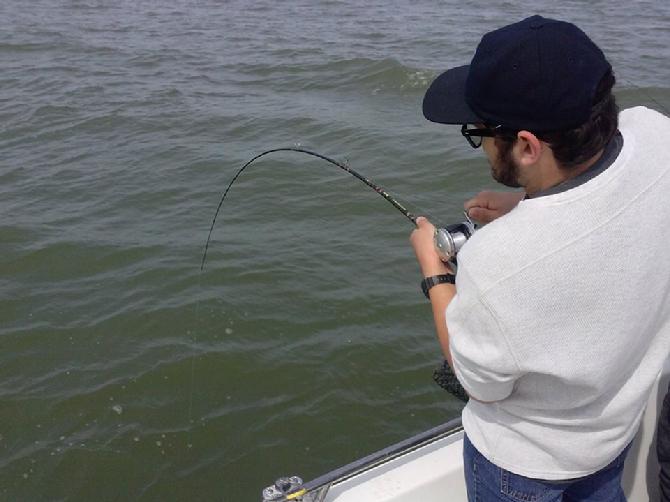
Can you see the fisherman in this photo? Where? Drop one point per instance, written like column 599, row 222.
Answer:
column 558, row 323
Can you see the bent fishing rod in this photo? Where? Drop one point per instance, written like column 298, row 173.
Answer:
column 448, row 240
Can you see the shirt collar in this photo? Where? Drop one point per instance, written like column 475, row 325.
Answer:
column 608, row 157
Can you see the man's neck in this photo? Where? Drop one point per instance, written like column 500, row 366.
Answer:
column 551, row 173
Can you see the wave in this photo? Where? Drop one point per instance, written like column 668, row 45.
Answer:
column 385, row 75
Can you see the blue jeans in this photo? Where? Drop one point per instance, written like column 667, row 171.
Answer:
column 486, row 482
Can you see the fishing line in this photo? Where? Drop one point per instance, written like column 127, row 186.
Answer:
column 455, row 235
column 345, row 167
column 341, row 165
column 643, row 91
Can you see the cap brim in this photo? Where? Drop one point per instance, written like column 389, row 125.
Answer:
column 444, row 101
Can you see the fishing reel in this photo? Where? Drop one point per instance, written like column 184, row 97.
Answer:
column 450, row 239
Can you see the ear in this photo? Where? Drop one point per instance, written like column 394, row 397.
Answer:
column 528, row 148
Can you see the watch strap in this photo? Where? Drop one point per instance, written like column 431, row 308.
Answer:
column 434, row 280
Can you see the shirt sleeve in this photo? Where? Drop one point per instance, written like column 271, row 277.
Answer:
column 480, row 352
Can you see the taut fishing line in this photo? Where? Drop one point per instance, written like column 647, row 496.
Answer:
column 447, row 240
column 643, row 91
column 341, row 165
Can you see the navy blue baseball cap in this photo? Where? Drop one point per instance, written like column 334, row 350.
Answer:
column 538, row 74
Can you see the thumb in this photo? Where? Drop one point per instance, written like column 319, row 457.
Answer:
column 422, row 221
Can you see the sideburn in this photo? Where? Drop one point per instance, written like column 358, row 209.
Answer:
column 505, row 170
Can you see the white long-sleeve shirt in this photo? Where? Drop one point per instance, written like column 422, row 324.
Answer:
column 562, row 314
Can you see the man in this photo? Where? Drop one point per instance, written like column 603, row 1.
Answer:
column 559, row 320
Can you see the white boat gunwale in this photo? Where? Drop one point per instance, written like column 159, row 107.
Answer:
column 431, row 462
column 320, row 485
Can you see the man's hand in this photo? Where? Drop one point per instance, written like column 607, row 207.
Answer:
column 430, row 263
column 487, row 206
column 422, row 240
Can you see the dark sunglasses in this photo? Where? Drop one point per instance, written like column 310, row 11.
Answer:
column 474, row 136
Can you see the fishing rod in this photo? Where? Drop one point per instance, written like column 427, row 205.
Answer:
column 448, row 240
column 345, row 167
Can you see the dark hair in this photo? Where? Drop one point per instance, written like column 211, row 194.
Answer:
column 575, row 146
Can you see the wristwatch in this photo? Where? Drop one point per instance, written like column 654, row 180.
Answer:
column 434, row 280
